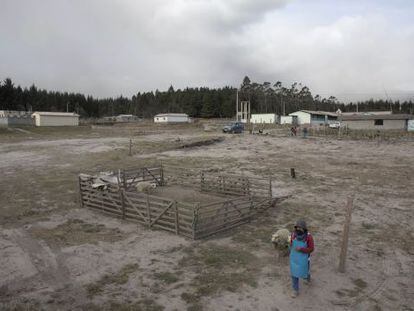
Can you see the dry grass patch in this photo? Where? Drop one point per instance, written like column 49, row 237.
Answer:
column 218, row 268
column 119, row 278
column 166, row 277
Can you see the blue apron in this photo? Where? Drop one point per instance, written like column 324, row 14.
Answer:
column 299, row 266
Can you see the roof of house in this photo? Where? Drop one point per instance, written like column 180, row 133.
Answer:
column 57, row 114
column 321, row 113
column 172, row 115
column 376, row 117
column 366, row 113
column 263, row 114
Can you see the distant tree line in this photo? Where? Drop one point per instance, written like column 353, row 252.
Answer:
column 196, row 102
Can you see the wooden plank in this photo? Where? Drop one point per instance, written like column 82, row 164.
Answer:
column 221, row 222
column 132, row 204
column 159, row 208
column 108, row 213
column 200, row 235
column 216, row 225
column 100, row 207
column 158, row 226
column 169, row 217
column 217, row 208
column 100, row 201
column 222, row 215
column 221, row 210
column 162, row 213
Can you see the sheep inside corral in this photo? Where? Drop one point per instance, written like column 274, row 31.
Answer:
column 146, row 187
column 281, row 241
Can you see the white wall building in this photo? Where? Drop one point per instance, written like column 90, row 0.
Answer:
column 171, row 118
column 314, row 117
column 261, row 118
column 288, row 119
column 55, row 118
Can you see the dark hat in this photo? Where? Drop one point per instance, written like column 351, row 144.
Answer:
column 301, row 224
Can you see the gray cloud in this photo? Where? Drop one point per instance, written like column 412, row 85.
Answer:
column 108, row 48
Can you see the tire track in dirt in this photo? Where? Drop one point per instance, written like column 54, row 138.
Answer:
column 53, row 278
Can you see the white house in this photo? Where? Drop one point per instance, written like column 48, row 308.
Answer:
column 55, row 118
column 314, row 117
column 270, row 118
column 171, row 118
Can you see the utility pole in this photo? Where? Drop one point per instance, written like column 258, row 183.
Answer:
column 237, row 105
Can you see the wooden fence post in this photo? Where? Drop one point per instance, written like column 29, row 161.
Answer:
column 195, row 220
column 130, row 147
column 202, row 181
column 124, row 180
column 270, row 188
column 80, row 192
column 122, row 194
column 292, row 173
column 345, row 236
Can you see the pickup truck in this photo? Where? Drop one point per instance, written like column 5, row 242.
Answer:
column 235, row 127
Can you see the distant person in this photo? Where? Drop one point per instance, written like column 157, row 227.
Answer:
column 301, row 246
column 305, row 132
column 293, row 131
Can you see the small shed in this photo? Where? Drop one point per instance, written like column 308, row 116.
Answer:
column 171, row 118
column 260, row 118
column 376, row 122
column 55, row 118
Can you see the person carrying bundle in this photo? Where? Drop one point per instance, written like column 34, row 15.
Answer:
column 301, row 246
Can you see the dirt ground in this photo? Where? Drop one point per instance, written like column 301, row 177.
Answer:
column 58, row 256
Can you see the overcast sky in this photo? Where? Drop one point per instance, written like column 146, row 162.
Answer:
column 351, row 49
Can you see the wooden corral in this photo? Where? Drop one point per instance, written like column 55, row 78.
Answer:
column 239, row 198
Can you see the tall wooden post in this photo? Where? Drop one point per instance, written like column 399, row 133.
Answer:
column 345, row 235
column 202, row 181
column 130, row 147
column 162, row 175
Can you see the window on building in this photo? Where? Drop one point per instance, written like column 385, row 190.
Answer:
column 379, row 122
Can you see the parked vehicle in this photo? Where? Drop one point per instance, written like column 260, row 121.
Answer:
column 235, row 127
column 335, row 125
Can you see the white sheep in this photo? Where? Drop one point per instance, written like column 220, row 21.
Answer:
column 145, row 187
column 281, row 239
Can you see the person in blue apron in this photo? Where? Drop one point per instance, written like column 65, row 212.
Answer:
column 301, row 246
